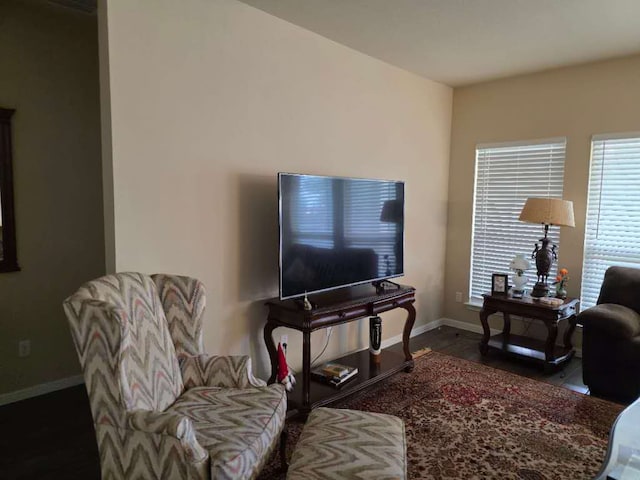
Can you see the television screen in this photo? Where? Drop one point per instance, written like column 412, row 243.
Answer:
column 336, row 232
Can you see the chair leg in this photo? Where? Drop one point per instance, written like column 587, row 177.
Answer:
column 283, row 449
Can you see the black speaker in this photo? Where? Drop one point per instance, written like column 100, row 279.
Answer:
column 375, row 335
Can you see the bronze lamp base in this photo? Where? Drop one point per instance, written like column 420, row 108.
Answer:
column 540, row 290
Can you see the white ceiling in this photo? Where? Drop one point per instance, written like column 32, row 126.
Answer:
column 460, row 42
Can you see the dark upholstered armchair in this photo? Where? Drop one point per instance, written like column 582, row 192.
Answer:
column 611, row 337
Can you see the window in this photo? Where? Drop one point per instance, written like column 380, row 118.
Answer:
column 612, row 230
column 506, row 175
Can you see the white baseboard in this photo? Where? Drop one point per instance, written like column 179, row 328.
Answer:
column 470, row 327
column 432, row 325
column 41, row 389
column 414, row 332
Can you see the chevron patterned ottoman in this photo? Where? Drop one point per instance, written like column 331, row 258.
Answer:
column 350, row 444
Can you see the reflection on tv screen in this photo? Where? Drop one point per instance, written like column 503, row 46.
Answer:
column 336, row 232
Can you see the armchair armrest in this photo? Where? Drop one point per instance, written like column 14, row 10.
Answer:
column 218, row 371
column 171, row 424
column 611, row 319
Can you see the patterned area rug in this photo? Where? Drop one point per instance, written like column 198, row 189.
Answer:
column 465, row 420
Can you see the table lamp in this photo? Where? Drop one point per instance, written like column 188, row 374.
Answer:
column 548, row 212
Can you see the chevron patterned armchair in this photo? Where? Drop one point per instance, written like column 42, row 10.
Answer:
column 162, row 408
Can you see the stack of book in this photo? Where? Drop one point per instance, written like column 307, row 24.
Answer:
column 334, row 374
column 554, row 302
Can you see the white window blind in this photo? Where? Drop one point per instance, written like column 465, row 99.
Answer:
column 612, row 231
column 506, row 175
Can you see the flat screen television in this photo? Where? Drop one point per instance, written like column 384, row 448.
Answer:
column 337, row 232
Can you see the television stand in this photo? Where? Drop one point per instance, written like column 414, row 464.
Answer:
column 335, row 308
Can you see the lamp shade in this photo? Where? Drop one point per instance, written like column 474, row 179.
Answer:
column 548, row 211
column 519, row 263
column 391, row 211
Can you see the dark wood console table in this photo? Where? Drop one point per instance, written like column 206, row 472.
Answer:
column 331, row 309
column 545, row 352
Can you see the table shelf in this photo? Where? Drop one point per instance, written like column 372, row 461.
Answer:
column 519, row 346
column 368, row 374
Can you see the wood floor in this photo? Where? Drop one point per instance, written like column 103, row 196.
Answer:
column 51, row 436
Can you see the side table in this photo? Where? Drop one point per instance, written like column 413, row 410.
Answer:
column 545, row 352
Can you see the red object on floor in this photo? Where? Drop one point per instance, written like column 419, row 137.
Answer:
column 285, row 377
column 283, row 370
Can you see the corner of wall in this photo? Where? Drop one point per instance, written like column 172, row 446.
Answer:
column 107, row 146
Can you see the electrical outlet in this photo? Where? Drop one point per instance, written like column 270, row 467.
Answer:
column 459, row 297
column 24, row 348
column 284, row 339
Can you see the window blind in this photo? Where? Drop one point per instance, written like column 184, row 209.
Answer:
column 612, row 231
column 506, row 175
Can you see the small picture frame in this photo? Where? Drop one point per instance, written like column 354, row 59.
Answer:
column 499, row 284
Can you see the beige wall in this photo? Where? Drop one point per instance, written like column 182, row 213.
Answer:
column 209, row 100
column 49, row 74
column 575, row 103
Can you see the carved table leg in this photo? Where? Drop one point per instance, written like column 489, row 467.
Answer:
column 306, row 371
column 284, row 465
column 569, row 332
column 506, row 330
column 484, row 319
column 271, row 348
column 406, row 334
column 550, row 346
